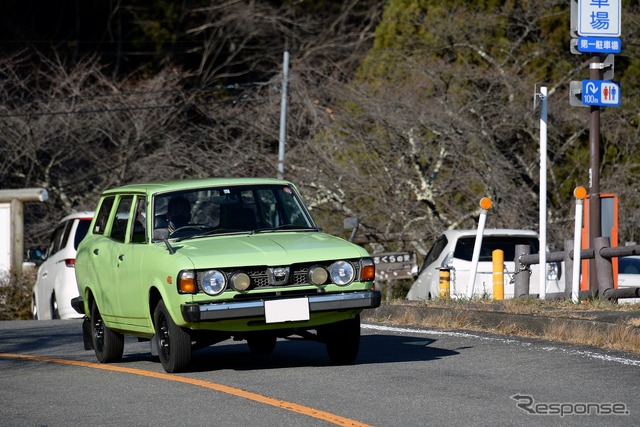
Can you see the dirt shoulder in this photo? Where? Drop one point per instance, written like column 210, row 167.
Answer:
column 598, row 324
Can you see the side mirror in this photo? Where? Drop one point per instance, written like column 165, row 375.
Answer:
column 351, row 223
column 36, row 254
column 414, row 272
column 160, row 234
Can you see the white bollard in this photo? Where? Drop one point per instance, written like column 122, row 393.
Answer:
column 580, row 193
column 485, row 205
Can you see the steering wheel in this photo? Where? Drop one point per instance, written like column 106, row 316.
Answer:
column 183, row 229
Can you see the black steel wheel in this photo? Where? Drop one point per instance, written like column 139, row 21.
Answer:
column 342, row 340
column 108, row 345
column 262, row 343
column 55, row 314
column 174, row 343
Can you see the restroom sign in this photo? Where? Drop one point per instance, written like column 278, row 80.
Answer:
column 603, row 93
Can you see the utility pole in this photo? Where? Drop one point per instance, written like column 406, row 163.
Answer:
column 283, row 115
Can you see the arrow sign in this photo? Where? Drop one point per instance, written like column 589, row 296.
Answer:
column 603, row 93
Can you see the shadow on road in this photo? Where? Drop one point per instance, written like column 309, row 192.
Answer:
column 292, row 353
column 64, row 339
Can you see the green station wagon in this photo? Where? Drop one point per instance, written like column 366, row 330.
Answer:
column 187, row 264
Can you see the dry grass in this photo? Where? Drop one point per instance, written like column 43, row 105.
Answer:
column 616, row 337
column 623, row 336
column 15, row 295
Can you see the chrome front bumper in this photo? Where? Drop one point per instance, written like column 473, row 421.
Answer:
column 234, row 310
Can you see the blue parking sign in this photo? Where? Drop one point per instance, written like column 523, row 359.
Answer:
column 599, row 44
column 599, row 18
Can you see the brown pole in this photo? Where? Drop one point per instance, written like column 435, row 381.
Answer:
column 595, row 228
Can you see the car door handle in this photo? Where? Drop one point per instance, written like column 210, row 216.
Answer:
column 96, row 251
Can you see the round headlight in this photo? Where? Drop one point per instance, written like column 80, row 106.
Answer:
column 317, row 275
column 342, row 272
column 213, row 282
column 240, row 281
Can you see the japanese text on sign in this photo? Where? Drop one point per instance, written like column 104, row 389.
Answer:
column 599, row 18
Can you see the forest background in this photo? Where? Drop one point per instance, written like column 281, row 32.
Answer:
column 404, row 113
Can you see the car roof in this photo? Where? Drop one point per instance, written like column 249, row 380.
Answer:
column 454, row 234
column 79, row 215
column 184, row 184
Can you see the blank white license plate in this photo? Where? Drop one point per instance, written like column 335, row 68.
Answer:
column 286, row 310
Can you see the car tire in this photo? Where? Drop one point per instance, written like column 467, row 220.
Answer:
column 174, row 343
column 55, row 314
column 261, row 343
column 108, row 345
column 34, row 308
column 342, row 340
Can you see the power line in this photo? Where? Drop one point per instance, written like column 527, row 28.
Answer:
column 134, row 108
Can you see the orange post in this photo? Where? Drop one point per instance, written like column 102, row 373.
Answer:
column 498, row 274
column 445, row 283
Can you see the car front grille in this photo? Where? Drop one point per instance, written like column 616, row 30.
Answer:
column 260, row 277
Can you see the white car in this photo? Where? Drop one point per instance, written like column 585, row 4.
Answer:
column 56, row 282
column 629, row 276
column 454, row 250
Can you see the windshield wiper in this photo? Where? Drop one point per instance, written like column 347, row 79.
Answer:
column 285, row 227
column 219, row 231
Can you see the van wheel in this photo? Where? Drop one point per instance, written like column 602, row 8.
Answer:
column 55, row 314
column 174, row 343
column 34, row 308
column 108, row 345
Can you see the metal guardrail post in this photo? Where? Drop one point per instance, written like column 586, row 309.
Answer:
column 522, row 273
column 604, row 269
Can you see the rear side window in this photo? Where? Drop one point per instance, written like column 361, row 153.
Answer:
column 435, row 251
column 57, row 238
column 628, row 265
column 67, row 232
column 464, row 247
column 81, row 231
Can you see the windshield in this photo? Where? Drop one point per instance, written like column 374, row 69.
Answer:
column 465, row 245
column 216, row 210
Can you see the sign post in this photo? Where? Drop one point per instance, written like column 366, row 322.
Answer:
column 597, row 26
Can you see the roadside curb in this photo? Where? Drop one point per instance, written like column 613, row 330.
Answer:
column 492, row 319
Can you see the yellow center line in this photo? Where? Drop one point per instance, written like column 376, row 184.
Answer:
column 283, row 404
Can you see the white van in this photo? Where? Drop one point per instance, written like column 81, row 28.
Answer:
column 454, row 250
column 56, row 281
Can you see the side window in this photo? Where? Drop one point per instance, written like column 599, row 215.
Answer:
column 119, row 229
column 56, row 239
column 103, row 215
column 434, row 252
column 139, row 223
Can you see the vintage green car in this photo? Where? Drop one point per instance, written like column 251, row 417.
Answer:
column 187, row 264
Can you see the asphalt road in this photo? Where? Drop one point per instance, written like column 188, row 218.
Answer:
column 403, row 377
